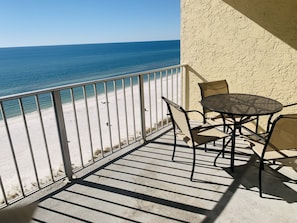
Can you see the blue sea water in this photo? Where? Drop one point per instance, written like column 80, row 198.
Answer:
column 25, row 69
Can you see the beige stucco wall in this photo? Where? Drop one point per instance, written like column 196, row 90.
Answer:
column 250, row 43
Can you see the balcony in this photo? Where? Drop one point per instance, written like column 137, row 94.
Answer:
column 113, row 161
column 142, row 184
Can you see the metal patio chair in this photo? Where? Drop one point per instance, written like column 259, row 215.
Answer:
column 213, row 88
column 194, row 137
column 280, row 143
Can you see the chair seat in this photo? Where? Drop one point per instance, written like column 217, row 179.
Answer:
column 273, row 154
column 219, row 119
column 201, row 136
column 259, row 138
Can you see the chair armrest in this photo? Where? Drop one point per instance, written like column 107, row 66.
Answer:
column 255, row 138
column 196, row 111
column 192, row 111
column 270, row 120
column 290, row 105
column 199, row 112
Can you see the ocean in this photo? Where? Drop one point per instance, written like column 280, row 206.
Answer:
column 28, row 135
column 24, row 69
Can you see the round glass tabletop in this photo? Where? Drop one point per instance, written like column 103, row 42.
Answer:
column 241, row 104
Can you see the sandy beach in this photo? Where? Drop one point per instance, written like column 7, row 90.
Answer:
column 85, row 140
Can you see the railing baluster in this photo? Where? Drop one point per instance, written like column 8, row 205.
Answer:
column 161, row 89
column 182, row 89
column 12, row 148
column 29, row 140
column 44, row 136
column 133, row 108
column 156, row 102
column 117, row 111
column 172, row 98
column 76, row 126
column 125, row 107
column 176, row 82
column 3, row 192
column 98, row 119
column 142, row 107
column 167, row 96
column 88, row 122
column 150, row 102
column 108, row 115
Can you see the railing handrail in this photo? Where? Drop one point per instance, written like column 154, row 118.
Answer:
column 63, row 87
column 80, row 127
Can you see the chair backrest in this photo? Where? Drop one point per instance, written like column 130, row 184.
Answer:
column 283, row 133
column 213, row 88
column 179, row 117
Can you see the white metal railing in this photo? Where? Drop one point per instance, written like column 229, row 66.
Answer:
column 50, row 134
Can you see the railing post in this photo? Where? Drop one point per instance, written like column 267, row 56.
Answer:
column 185, row 86
column 62, row 133
column 142, row 108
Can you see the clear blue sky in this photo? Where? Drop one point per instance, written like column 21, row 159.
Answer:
column 56, row 22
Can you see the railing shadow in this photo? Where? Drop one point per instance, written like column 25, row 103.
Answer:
column 274, row 186
column 144, row 185
column 115, row 190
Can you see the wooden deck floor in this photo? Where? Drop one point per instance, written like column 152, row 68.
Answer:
column 144, row 185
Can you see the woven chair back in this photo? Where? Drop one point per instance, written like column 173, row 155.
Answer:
column 213, row 88
column 283, row 134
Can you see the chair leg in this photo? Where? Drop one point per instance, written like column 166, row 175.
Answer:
column 257, row 124
column 261, row 167
column 225, row 129
column 222, row 151
column 173, row 153
column 174, row 146
column 194, row 163
column 215, row 161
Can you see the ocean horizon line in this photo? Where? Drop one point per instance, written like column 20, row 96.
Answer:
column 91, row 43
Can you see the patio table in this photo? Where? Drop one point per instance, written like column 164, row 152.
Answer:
column 240, row 108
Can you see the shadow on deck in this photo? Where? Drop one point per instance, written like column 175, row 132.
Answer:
column 144, row 185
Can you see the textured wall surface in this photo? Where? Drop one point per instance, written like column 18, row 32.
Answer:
column 250, row 43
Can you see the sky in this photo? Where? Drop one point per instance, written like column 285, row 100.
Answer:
column 59, row 22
